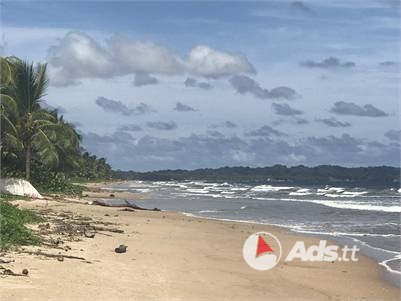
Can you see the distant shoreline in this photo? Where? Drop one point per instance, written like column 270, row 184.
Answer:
column 377, row 177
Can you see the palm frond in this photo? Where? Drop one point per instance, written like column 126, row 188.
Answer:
column 12, row 142
column 9, row 105
column 41, row 82
column 45, row 149
column 43, row 115
column 7, row 125
column 5, row 72
column 29, row 85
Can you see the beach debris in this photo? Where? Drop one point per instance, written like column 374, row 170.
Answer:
column 6, row 260
column 60, row 258
column 25, row 272
column 121, row 203
column 112, row 195
column 44, row 226
column 8, row 272
column 127, row 209
column 121, row 249
column 108, row 229
column 40, row 253
column 89, row 233
column 67, row 248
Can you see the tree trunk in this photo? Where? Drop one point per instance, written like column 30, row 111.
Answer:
column 28, row 161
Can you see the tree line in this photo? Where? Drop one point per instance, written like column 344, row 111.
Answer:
column 37, row 142
column 379, row 176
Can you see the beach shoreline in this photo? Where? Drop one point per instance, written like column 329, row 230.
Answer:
column 171, row 256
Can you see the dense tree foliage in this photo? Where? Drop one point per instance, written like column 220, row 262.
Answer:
column 382, row 176
column 36, row 142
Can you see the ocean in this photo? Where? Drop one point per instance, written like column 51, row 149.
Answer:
column 368, row 218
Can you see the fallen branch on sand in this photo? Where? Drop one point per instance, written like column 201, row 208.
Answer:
column 108, row 229
column 8, row 272
column 127, row 209
column 122, row 203
column 39, row 253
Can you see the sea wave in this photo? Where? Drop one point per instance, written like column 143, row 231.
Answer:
column 385, row 264
column 359, row 206
column 340, row 204
column 267, row 188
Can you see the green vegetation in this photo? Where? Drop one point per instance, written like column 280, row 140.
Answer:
column 12, row 225
column 36, row 142
column 381, row 176
column 10, row 197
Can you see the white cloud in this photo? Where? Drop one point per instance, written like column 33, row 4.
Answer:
column 77, row 56
column 133, row 56
column 209, row 62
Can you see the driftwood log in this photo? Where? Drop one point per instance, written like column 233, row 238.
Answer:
column 8, row 272
column 39, row 253
column 121, row 203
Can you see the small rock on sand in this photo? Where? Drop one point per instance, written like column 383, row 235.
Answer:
column 121, row 249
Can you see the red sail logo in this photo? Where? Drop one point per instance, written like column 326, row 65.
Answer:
column 263, row 247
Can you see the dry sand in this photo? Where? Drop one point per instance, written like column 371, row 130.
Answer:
column 174, row 257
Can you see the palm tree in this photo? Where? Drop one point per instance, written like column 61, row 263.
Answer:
column 67, row 144
column 9, row 143
column 36, row 126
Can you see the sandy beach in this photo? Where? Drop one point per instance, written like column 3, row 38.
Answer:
column 174, row 257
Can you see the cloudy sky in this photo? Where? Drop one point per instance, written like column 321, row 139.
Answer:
column 207, row 84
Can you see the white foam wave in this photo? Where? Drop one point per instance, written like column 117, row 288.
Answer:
column 341, row 204
column 239, row 189
column 194, row 190
column 334, row 195
column 208, row 211
column 359, row 206
column 355, row 192
column 345, row 234
column 331, row 189
column 296, row 193
column 269, row 188
column 387, row 267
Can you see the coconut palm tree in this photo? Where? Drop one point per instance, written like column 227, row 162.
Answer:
column 9, row 143
column 67, row 144
column 35, row 126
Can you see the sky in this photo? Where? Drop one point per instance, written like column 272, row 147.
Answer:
column 185, row 84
